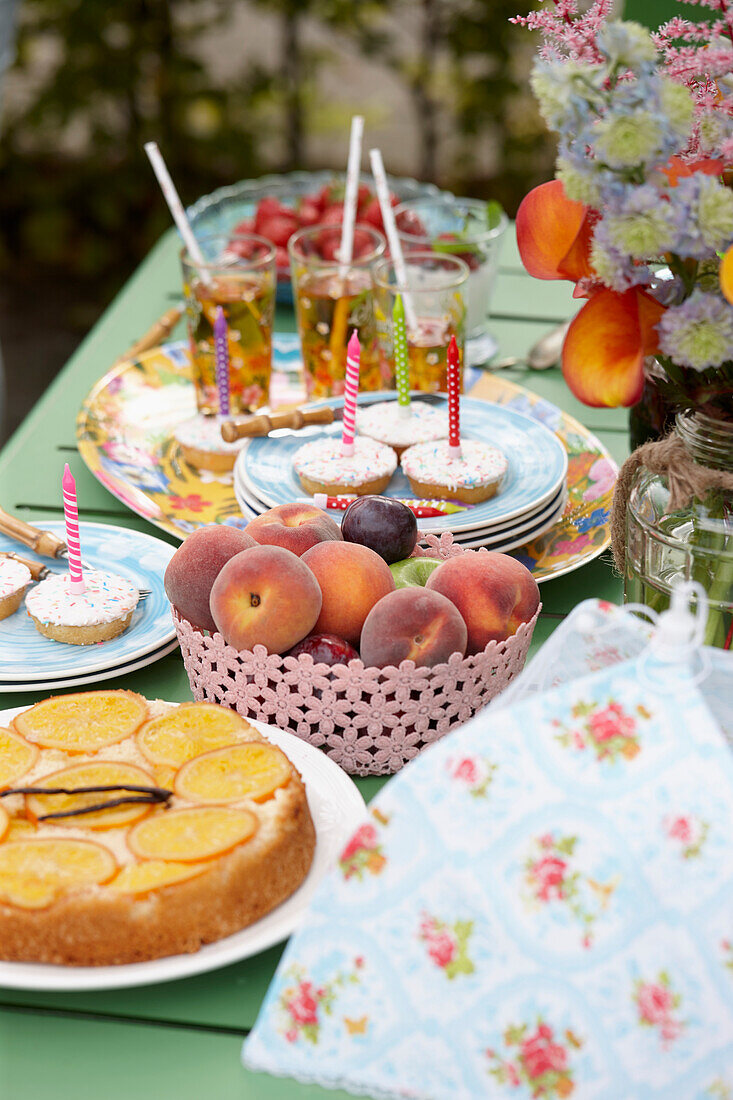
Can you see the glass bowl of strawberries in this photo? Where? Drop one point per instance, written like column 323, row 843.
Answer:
column 277, row 206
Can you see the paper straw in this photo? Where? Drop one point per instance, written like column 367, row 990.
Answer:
column 351, row 389
column 73, row 542
column 346, row 251
column 390, row 228
column 454, row 387
column 221, row 359
column 401, row 360
column 175, row 206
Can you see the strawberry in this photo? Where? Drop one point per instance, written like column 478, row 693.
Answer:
column 363, row 198
column 245, row 249
column 266, row 208
column 279, row 228
column 362, row 243
column 308, row 213
column 282, row 260
column 246, row 226
column 334, row 214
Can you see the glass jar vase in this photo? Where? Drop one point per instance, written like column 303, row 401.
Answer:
column 692, row 543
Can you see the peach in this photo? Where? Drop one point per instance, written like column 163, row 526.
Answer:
column 352, row 579
column 297, row 527
column 265, row 596
column 412, row 624
column 194, row 567
column 493, row 592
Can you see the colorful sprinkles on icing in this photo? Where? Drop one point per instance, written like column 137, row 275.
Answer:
column 431, row 464
column 106, row 597
column 322, row 461
column 13, row 576
column 386, row 422
column 203, row 433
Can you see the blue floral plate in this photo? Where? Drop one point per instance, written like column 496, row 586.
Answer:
column 26, row 656
column 537, row 464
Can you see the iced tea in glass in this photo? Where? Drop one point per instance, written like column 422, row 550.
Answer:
column 238, row 275
column 331, row 300
column 434, row 286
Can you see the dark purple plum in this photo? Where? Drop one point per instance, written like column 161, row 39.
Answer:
column 386, row 526
column 326, row 649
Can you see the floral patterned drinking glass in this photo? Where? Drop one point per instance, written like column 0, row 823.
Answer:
column 473, row 230
column 331, row 300
column 435, row 285
column 239, row 275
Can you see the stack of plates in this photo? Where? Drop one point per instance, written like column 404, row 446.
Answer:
column 531, row 499
column 30, row 662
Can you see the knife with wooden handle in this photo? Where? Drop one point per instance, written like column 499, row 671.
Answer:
column 264, row 423
column 37, row 569
column 156, row 334
column 44, row 543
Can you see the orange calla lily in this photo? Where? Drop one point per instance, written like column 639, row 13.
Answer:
column 676, row 168
column 726, row 275
column 604, row 350
column 554, row 234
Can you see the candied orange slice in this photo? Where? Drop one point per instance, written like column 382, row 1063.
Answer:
column 202, row 832
column 32, row 870
column 189, row 730
column 84, row 722
column 142, row 878
column 164, row 776
column 4, row 823
column 27, row 892
column 108, row 773
column 253, row 769
column 16, row 757
column 20, row 828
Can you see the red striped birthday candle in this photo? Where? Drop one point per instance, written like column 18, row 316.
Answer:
column 351, row 389
column 454, row 389
column 71, row 515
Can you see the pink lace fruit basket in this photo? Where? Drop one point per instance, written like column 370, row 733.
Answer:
column 369, row 720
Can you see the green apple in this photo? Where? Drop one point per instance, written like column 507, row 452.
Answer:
column 413, row 572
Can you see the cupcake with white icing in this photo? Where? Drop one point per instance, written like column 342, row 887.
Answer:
column 202, row 445
column 102, row 611
column 323, row 468
column 433, row 472
column 401, row 426
column 14, row 579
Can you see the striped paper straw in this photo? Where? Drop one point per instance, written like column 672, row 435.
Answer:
column 221, row 358
column 71, row 515
column 454, row 388
column 401, row 360
column 351, row 389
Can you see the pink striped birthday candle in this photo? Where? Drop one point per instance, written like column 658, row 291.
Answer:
column 351, row 389
column 454, row 391
column 71, row 515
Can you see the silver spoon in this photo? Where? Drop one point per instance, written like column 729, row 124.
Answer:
column 545, row 353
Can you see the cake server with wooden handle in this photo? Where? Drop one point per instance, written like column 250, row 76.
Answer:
column 37, row 569
column 43, row 543
column 264, row 423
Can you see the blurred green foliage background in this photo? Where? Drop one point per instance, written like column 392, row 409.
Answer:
column 94, row 79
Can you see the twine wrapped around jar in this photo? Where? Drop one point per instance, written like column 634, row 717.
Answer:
column 687, row 480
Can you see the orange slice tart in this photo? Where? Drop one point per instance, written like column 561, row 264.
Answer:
column 131, row 829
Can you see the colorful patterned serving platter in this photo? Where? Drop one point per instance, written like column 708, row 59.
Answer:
column 124, row 432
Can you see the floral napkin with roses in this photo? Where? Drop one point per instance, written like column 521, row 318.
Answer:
column 539, row 906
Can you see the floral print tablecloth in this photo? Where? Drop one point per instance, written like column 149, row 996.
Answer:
column 540, row 906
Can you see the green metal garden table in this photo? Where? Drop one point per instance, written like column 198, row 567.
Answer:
column 182, row 1039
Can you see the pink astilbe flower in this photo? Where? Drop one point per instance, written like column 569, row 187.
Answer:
column 567, row 34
